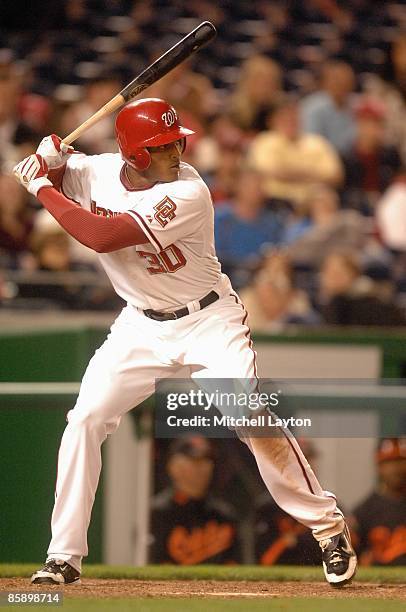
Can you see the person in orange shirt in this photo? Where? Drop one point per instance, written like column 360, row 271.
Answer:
column 188, row 525
column 380, row 520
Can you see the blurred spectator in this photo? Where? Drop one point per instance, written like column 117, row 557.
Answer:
column 297, row 223
column 288, row 40
column 244, row 228
column 188, row 525
column 25, row 142
column 50, row 250
column 330, row 9
column 392, row 93
column 191, row 93
column 290, row 161
column 370, row 165
column 13, row 131
column 100, row 138
column 380, row 520
column 221, row 137
column 223, row 180
column 193, row 96
column 34, row 105
column 79, row 253
column 257, row 90
column 76, row 15
column 16, row 220
column 349, row 298
column 272, row 301
column 398, row 59
column 3, row 288
column 328, row 112
column 51, row 284
column 330, row 229
column 391, row 214
column 279, row 539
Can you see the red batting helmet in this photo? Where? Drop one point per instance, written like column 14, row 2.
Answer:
column 150, row 122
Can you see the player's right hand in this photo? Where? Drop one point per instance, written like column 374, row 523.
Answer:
column 32, row 173
column 54, row 151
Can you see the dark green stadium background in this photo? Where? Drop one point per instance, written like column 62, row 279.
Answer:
column 30, row 432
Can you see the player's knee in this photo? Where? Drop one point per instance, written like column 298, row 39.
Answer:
column 87, row 419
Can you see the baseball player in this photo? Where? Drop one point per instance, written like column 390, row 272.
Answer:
column 150, row 217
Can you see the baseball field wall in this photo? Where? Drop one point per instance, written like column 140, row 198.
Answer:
column 31, row 426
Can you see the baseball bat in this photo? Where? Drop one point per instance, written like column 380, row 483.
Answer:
column 191, row 43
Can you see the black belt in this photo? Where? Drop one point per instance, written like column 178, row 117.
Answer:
column 182, row 312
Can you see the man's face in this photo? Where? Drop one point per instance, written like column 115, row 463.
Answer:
column 393, row 474
column 190, row 475
column 287, row 121
column 336, row 276
column 340, row 81
column 165, row 161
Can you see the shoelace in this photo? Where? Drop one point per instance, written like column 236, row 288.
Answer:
column 325, row 543
column 52, row 562
column 336, row 557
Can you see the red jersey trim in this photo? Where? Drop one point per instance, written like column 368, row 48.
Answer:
column 137, row 217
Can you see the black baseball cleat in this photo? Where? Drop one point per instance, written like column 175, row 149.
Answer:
column 56, row 571
column 339, row 559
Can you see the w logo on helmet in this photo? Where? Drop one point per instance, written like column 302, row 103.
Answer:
column 169, row 118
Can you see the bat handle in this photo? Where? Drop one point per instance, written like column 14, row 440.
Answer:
column 111, row 106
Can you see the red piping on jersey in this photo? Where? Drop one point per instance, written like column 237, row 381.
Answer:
column 126, row 183
column 147, row 230
column 248, row 336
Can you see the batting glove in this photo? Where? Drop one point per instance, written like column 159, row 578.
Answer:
column 32, row 173
column 54, row 151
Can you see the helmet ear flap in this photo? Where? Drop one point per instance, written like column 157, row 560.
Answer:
column 140, row 159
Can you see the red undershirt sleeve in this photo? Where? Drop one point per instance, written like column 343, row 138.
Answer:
column 102, row 234
column 55, row 175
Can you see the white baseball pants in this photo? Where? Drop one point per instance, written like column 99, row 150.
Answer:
column 215, row 343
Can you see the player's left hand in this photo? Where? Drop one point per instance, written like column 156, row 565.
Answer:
column 32, row 173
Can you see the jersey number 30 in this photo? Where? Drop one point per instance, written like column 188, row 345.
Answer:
column 170, row 259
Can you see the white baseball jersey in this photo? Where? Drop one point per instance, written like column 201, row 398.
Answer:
column 179, row 264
